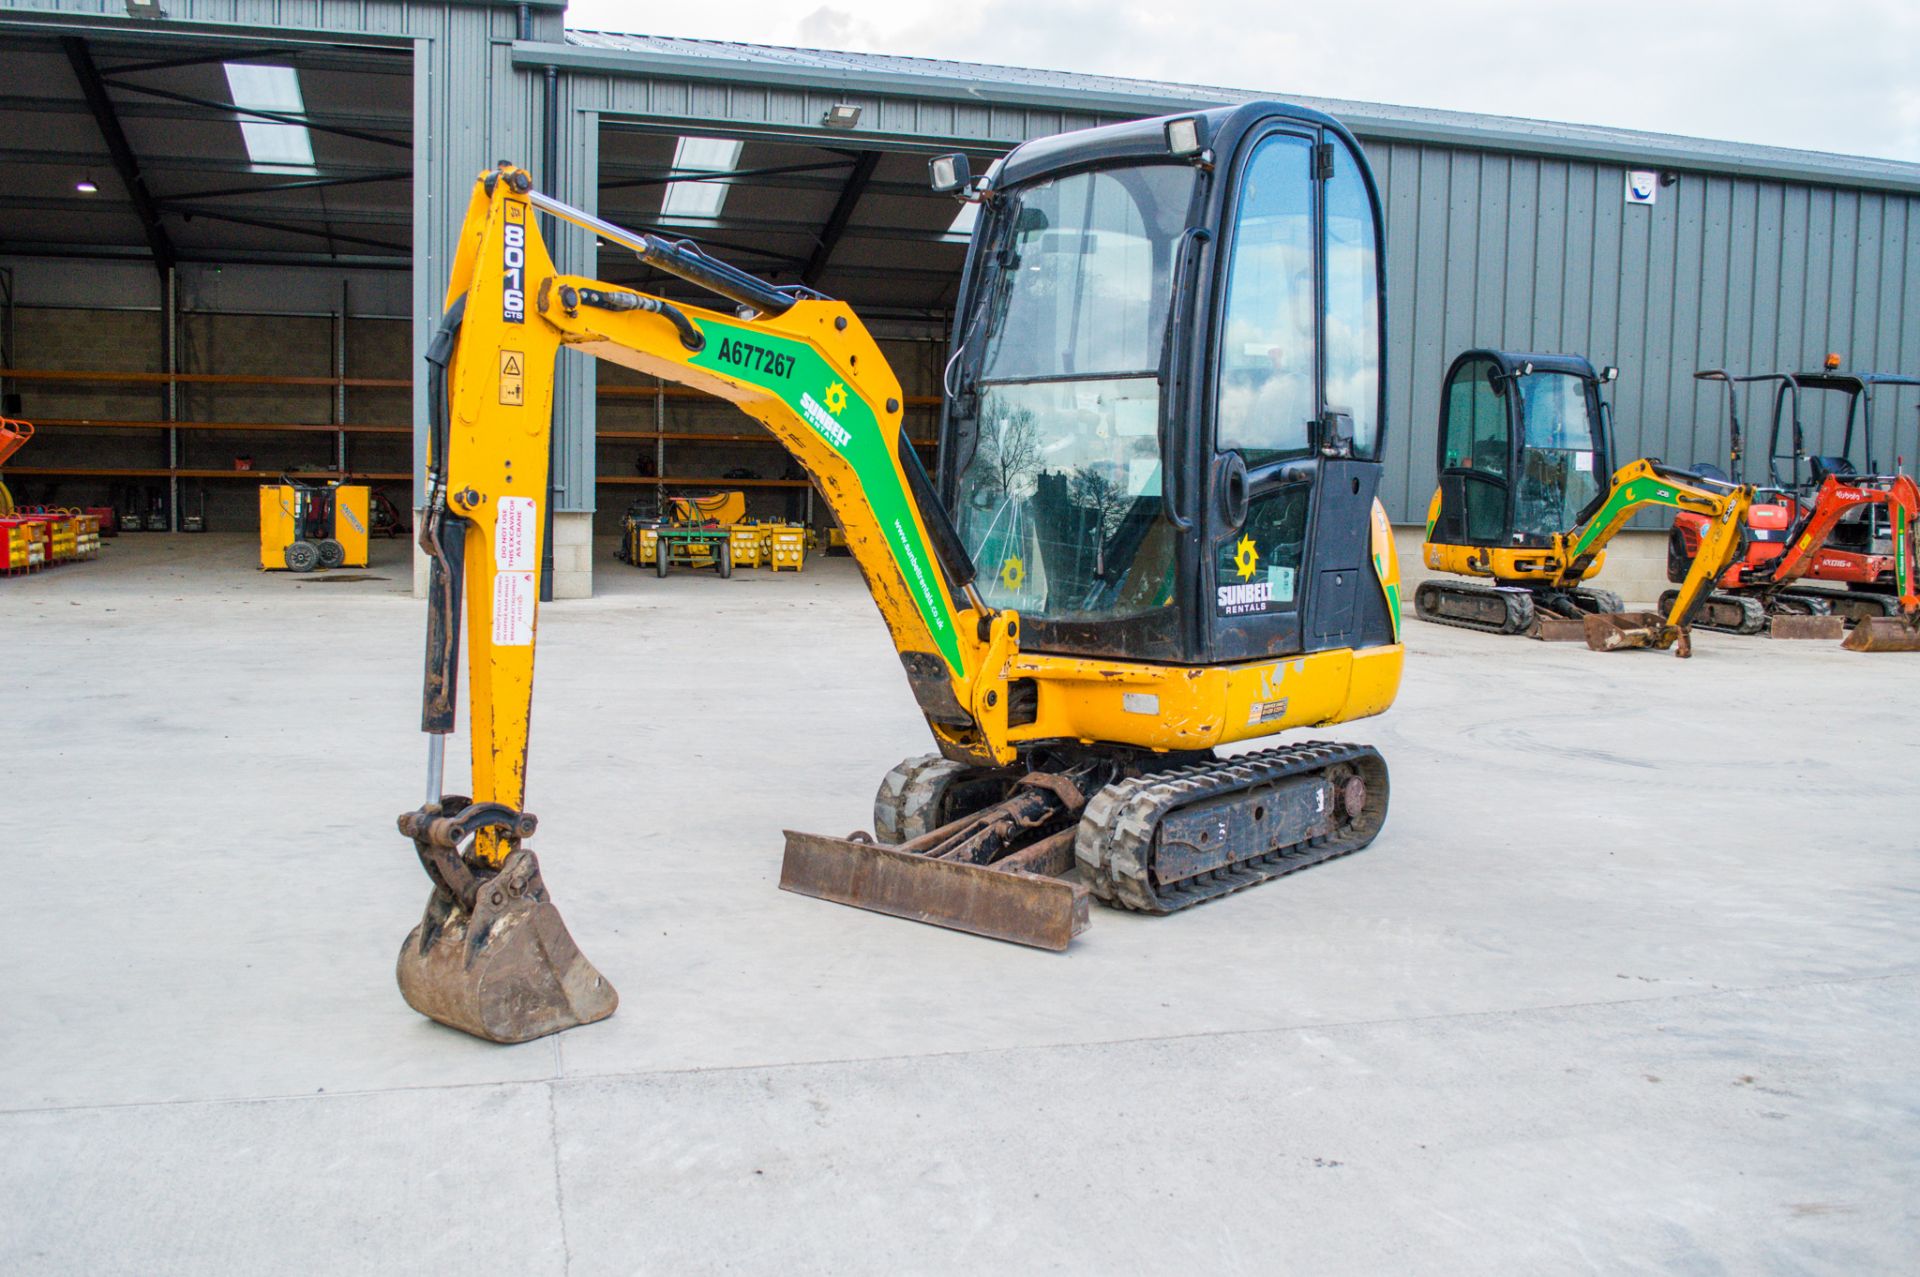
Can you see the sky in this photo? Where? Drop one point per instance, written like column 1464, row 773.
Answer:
column 1838, row 76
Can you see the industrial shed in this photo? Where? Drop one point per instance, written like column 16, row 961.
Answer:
column 210, row 304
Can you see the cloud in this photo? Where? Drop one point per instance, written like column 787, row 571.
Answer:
column 830, row 28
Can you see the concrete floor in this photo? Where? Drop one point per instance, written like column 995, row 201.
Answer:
column 1627, row 984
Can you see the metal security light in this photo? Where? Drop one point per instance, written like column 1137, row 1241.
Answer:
column 1609, row 373
column 86, row 186
column 145, row 9
column 841, row 115
column 950, row 174
column 1183, row 136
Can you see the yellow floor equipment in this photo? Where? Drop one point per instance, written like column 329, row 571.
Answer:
column 304, row 526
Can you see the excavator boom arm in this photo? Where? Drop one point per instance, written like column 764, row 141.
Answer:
column 1643, row 483
column 811, row 373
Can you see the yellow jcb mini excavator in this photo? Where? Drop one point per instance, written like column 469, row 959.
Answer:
column 1153, row 533
column 1529, row 499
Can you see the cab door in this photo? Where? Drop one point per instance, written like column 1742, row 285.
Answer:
column 1296, row 404
column 1476, row 455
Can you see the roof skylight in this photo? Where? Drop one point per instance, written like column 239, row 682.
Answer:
column 696, row 196
column 271, row 144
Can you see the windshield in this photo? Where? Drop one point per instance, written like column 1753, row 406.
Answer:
column 1558, row 473
column 1059, row 504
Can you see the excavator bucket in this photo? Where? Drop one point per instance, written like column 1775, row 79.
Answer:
column 1020, row 902
column 1884, row 634
column 491, row 956
column 1615, row 631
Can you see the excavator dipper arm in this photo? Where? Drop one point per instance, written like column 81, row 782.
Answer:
column 1637, row 485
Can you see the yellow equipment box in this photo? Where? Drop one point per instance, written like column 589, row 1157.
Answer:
column 306, row 526
column 787, row 548
column 744, row 540
column 19, row 549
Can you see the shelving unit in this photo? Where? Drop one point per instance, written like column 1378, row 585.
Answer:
column 342, row 430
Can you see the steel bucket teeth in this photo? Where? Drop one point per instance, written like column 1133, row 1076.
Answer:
column 1025, row 908
column 1883, row 634
column 507, row 972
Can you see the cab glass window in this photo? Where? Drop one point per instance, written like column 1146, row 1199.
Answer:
column 1267, row 365
column 1476, row 435
column 1560, row 442
column 1353, row 304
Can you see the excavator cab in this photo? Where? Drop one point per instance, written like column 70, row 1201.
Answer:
column 1523, row 448
column 1157, row 444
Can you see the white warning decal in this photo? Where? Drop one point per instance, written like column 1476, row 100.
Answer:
column 514, row 533
column 513, row 599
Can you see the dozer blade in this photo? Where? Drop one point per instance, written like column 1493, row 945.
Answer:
column 1557, row 629
column 1884, row 634
column 509, row 971
column 1025, row 908
column 1818, row 628
column 1616, row 631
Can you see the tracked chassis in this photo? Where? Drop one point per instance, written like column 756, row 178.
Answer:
column 1016, row 855
column 1506, row 609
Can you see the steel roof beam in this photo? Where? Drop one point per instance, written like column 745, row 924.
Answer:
column 842, row 215
column 261, row 223
column 304, row 184
column 124, row 161
column 197, row 257
column 276, row 117
column 724, row 175
column 152, row 164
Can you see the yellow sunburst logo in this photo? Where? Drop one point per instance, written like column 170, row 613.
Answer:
column 1246, row 557
column 1013, row 573
column 836, row 398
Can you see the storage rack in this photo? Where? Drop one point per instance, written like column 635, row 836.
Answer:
column 342, row 430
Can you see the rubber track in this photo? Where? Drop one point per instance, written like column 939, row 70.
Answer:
column 1116, row 839
column 1519, row 606
column 1849, row 603
column 1753, row 614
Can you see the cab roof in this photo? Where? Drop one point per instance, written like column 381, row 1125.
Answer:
column 1137, row 139
column 1512, row 361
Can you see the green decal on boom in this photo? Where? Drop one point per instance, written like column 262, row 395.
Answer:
column 794, row 372
column 1636, row 492
column 1392, row 593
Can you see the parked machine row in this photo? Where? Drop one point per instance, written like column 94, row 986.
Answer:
column 1528, row 499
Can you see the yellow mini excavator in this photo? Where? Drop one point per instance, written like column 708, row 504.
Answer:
column 1529, row 499
column 1153, row 533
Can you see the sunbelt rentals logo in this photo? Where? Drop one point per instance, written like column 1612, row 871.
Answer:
column 822, row 420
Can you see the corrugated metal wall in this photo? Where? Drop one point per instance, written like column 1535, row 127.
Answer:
column 1525, row 252
column 1544, row 254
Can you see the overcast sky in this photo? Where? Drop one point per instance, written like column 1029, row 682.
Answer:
column 1841, row 76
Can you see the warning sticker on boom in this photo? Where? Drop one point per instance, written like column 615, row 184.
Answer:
column 513, row 378
column 514, row 533
column 513, row 599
